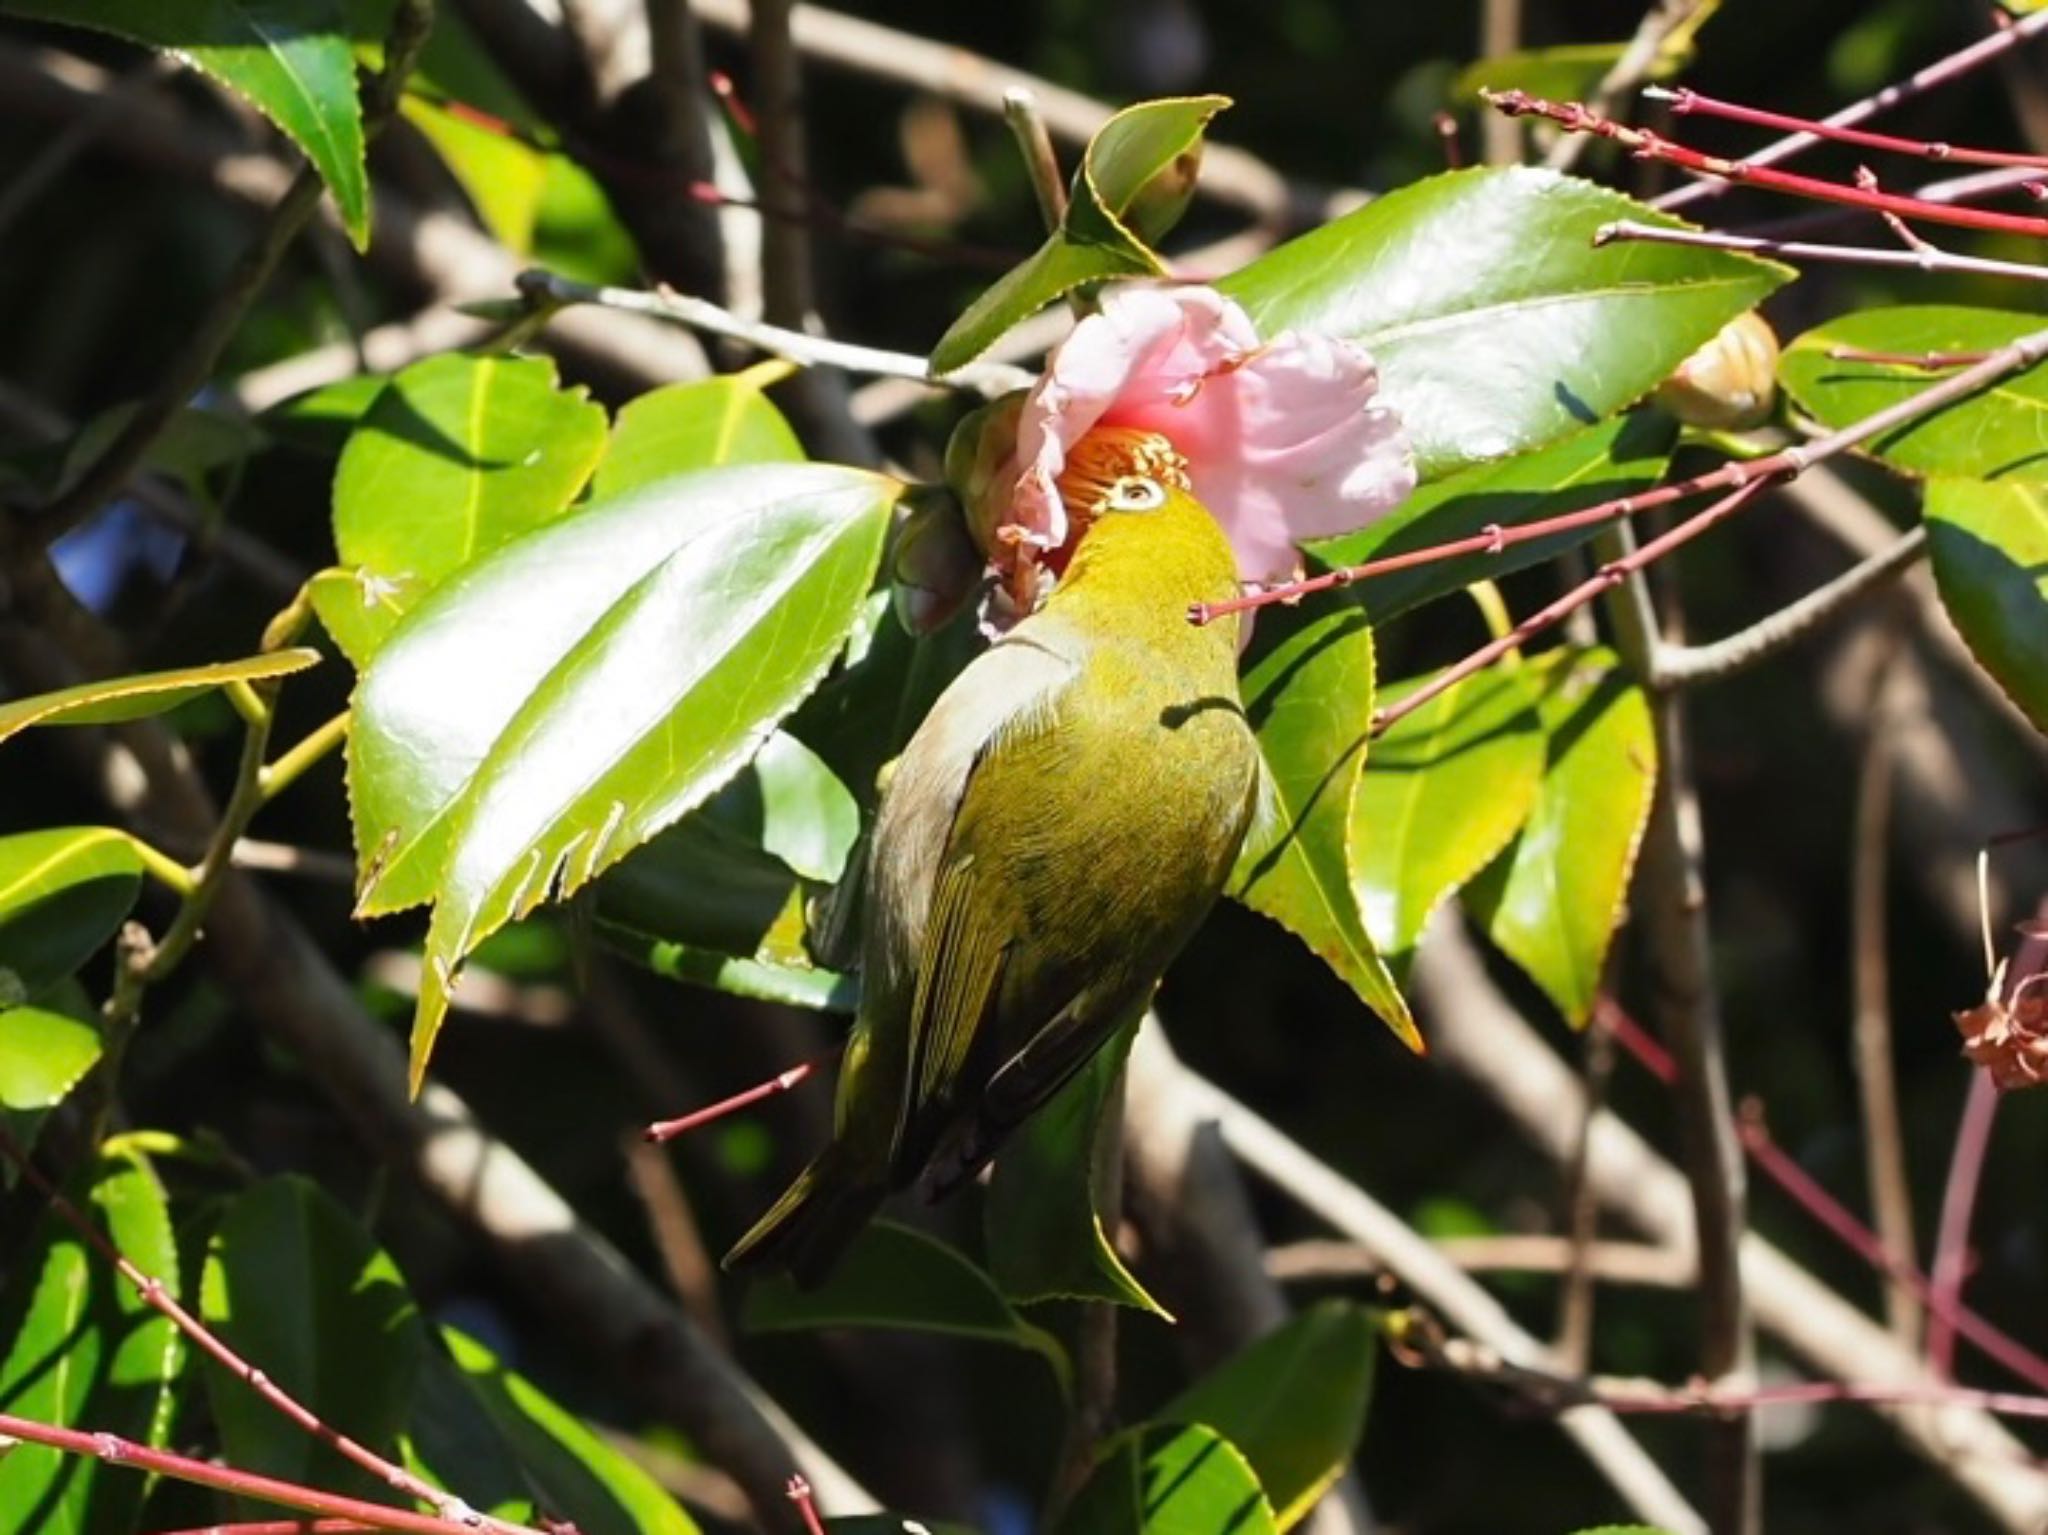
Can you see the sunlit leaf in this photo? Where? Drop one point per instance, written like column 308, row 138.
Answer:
column 1309, row 696
column 1169, row 1479
column 1293, row 1403
column 696, row 425
column 63, row 893
column 146, row 693
column 1445, row 789
column 1989, row 548
column 501, row 176
column 1996, row 433
column 43, row 1055
column 1552, row 899
column 1497, row 324
column 290, row 59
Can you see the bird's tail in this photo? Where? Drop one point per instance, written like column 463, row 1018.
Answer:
column 810, row 1225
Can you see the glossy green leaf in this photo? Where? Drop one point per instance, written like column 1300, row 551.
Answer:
column 1989, row 548
column 1293, row 1403
column 1096, row 240
column 719, row 898
column 490, row 1435
column 146, row 693
column 1553, row 898
column 82, row 1350
column 1497, row 324
column 304, row 1293
column 697, row 425
column 892, row 1276
column 1997, row 433
column 1045, row 1239
column 458, row 456
column 1169, row 1479
column 1309, row 697
column 500, row 174
column 64, row 891
column 1615, row 458
column 1444, row 790
column 556, row 705
column 290, row 59
column 43, row 1055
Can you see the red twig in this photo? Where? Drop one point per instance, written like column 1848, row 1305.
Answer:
column 806, row 1504
column 116, row 1451
column 1940, row 72
column 279, row 1527
column 160, row 1300
column 1647, row 1050
column 669, row 1129
column 1446, row 124
column 1958, row 1200
column 1575, row 118
column 1684, row 102
column 1605, row 578
column 2024, row 352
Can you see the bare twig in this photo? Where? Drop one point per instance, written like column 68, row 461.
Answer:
column 1582, row 1211
column 1500, row 33
column 1624, row 1263
column 1664, row 20
column 1685, row 102
column 1034, row 143
column 1958, row 1202
column 1941, row 72
column 1927, row 259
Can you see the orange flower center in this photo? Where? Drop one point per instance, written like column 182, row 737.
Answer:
column 1109, row 454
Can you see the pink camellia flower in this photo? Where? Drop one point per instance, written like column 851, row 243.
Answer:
column 1282, row 440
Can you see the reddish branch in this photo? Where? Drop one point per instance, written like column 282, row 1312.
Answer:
column 669, row 1129
column 1685, row 102
column 116, row 1451
column 162, row 1301
column 1645, row 145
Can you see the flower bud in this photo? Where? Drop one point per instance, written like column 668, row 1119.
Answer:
column 1160, row 202
column 935, row 567
column 1731, row 383
column 977, row 456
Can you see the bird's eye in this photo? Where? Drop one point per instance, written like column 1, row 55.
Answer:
column 1135, row 493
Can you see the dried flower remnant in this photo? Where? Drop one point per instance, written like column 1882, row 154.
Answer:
column 2008, row 1036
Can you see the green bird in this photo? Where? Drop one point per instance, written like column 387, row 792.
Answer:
column 1049, row 841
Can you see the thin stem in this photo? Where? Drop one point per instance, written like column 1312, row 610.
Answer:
column 1679, row 666
column 1783, row 464
column 1625, row 1263
column 159, row 1299
column 1663, row 23
column 1941, row 72
column 201, row 352
column 163, row 868
column 1958, row 1202
column 1686, row 102
column 669, row 1129
column 1891, row 1195
column 311, row 749
column 116, row 1451
column 989, row 379
column 1605, row 579
column 1927, row 259
column 1034, row 143
column 1574, row 118
column 1582, row 1208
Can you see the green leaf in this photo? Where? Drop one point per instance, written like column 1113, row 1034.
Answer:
column 1309, row 697
column 1096, row 240
column 557, row 704
column 730, row 882
column 490, row 1435
column 1498, row 326
column 1169, row 1479
column 1989, row 548
column 893, row 1276
column 303, row 1293
column 146, row 693
column 359, row 608
column 501, row 176
column 1999, row 432
column 1552, row 900
column 290, row 59
column 1616, row 458
column 1445, row 789
column 1292, row 1403
column 458, row 456
column 43, row 1055
column 83, row 1351
column 64, row 892
column 1568, row 73
column 1045, row 1239
column 696, row 425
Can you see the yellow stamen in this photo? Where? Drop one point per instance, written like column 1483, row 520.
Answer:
column 1112, row 453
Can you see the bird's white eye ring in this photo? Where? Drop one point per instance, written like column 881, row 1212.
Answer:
column 1135, row 493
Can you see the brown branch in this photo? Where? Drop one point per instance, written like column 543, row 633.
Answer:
column 1623, row 1263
